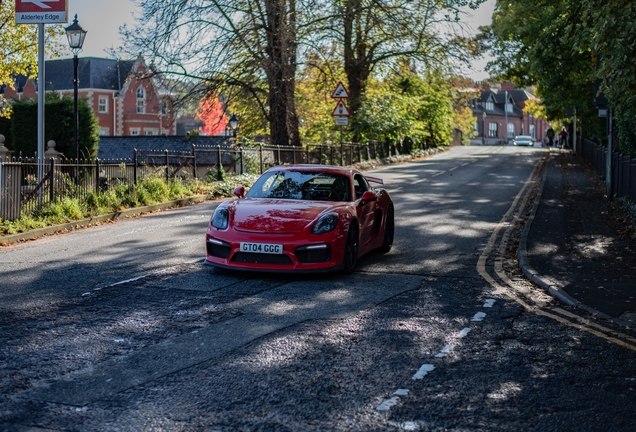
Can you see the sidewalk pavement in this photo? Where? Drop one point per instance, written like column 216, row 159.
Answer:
column 572, row 245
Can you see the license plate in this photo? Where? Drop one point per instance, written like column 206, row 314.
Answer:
column 266, row 248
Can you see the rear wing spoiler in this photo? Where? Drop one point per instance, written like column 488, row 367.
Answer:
column 375, row 180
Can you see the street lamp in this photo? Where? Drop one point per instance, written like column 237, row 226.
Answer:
column 233, row 124
column 76, row 36
column 20, row 89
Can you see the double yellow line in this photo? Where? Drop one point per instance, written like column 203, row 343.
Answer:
column 536, row 305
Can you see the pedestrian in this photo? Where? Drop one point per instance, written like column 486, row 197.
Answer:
column 563, row 137
column 550, row 135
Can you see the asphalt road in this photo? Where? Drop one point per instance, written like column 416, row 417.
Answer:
column 121, row 327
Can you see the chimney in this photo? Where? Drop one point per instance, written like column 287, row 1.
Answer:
column 507, row 86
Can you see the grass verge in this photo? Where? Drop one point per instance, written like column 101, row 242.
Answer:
column 150, row 190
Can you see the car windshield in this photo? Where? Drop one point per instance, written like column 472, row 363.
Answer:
column 297, row 185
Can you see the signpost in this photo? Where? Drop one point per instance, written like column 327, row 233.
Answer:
column 341, row 113
column 41, row 12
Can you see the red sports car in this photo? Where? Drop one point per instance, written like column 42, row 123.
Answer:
column 301, row 218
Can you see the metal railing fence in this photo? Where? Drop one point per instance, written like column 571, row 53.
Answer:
column 22, row 194
column 623, row 168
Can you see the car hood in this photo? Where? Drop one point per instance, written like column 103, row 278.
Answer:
column 275, row 216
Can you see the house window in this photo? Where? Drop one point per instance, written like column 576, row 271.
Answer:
column 164, row 108
column 102, row 105
column 150, row 132
column 511, row 130
column 509, row 107
column 532, row 131
column 104, row 131
column 490, row 106
column 134, row 131
column 492, row 130
column 141, row 101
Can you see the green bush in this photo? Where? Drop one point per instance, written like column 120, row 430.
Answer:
column 59, row 114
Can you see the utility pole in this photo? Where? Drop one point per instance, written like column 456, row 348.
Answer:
column 506, row 112
column 610, row 152
column 574, row 133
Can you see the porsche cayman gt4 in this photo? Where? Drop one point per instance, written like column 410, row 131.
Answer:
column 302, row 218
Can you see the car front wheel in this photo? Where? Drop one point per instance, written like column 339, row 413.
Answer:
column 351, row 250
column 389, row 231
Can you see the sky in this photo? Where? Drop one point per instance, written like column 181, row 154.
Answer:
column 102, row 19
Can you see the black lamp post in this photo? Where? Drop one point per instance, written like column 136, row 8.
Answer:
column 233, row 124
column 76, row 36
column 483, row 127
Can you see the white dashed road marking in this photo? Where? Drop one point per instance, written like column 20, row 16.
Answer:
column 384, row 406
column 424, row 369
column 479, row 316
column 489, row 303
column 445, row 351
column 407, row 426
column 463, row 333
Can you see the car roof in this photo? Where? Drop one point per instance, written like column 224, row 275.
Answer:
column 331, row 169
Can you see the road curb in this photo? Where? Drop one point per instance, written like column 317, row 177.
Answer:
column 545, row 282
column 137, row 211
column 522, row 254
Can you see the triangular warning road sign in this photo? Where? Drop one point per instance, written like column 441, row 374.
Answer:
column 341, row 110
column 340, row 92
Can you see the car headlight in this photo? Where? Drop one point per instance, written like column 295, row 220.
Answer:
column 220, row 218
column 326, row 223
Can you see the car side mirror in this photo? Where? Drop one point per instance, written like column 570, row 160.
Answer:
column 368, row 196
column 239, row 191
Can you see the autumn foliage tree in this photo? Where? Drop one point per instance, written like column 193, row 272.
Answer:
column 212, row 115
column 245, row 47
column 19, row 44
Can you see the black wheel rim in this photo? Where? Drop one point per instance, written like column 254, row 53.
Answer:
column 390, row 228
column 351, row 249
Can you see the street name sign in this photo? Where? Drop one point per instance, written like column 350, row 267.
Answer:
column 41, row 11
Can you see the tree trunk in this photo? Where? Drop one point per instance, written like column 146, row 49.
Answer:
column 281, row 71
column 356, row 60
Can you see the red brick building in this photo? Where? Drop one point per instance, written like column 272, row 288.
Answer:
column 123, row 97
column 500, row 115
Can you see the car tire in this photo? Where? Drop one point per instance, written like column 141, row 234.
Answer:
column 351, row 250
column 389, row 231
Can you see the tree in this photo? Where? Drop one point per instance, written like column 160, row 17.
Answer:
column 463, row 119
column 377, row 34
column 244, row 47
column 315, row 85
column 59, row 112
column 607, row 28
column 212, row 115
column 19, row 44
column 406, row 105
column 540, row 43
